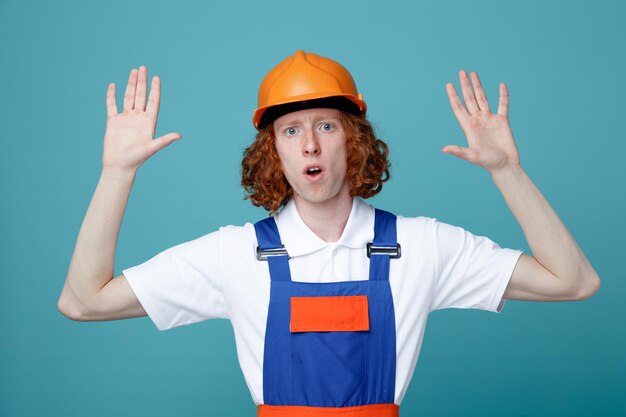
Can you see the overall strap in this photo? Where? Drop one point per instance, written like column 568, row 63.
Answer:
column 385, row 245
column 272, row 250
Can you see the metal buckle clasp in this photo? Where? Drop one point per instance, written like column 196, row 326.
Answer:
column 263, row 254
column 394, row 252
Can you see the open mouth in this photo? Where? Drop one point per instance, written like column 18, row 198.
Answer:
column 313, row 172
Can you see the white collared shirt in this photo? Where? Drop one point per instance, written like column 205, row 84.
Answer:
column 218, row 276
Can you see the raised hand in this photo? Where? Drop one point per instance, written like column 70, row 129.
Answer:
column 489, row 136
column 129, row 137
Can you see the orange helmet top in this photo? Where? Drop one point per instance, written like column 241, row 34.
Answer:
column 305, row 78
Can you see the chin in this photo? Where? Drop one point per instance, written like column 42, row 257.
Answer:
column 322, row 196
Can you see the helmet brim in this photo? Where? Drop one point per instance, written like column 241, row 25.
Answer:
column 263, row 116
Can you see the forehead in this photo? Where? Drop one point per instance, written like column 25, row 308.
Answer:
column 307, row 115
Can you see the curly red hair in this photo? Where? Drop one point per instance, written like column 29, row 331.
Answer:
column 368, row 167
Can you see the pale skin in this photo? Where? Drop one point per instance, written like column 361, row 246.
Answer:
column 315, row 138
column 557, row 270
column 90, row 293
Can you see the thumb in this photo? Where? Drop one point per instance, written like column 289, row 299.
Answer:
column 161, row 142
column 459, row 152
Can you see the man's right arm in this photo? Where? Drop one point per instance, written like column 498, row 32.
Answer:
column 90, row 291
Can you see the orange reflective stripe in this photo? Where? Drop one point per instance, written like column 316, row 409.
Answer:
column 347, row 313
column 372, row 410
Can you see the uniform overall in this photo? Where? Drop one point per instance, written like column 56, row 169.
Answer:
column 330, row 348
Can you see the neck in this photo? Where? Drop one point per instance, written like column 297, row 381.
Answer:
column 328, row 219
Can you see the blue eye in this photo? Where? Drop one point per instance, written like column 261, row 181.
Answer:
column 290, row 131
column 327, row 127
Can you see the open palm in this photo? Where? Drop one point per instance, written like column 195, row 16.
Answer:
column 129, row 137
column 489, row 137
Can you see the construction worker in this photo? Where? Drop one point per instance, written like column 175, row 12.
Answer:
column 328, row 296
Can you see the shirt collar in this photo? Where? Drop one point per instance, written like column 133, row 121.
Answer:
column 300, row 240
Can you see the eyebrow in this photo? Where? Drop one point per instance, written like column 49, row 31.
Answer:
column 289, row 122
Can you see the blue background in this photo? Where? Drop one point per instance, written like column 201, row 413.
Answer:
column 564, row 65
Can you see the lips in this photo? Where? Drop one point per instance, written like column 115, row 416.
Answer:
column 313, row 171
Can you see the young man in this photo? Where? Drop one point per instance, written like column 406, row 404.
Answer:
column 328, row 297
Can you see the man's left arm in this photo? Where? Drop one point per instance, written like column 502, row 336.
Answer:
column 558, row 269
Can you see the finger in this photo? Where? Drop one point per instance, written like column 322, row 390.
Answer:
column 460, row 152
column 161, row 142
column 140, row 95
column 503, row 104
column 155, row 97
column 129, row 94
column 468, row 94
column 456, row 105
column 111, row 104
column 481, row 98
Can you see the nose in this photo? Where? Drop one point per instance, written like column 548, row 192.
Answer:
column 311, row 145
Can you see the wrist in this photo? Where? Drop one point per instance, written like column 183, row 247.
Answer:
column 119, row 174
column 507, row 173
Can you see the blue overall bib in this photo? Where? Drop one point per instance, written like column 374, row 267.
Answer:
column 316, row 362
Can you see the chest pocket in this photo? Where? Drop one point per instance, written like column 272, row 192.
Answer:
column 329, row 348
column 348, row 313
